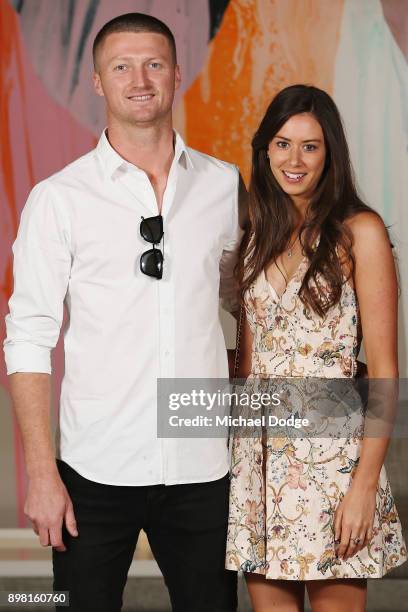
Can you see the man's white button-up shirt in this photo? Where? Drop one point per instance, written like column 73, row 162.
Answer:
column 79, row 243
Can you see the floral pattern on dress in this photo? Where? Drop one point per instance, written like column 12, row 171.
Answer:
column 284, row 491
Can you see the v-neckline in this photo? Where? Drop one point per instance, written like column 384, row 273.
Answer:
column 272, row 291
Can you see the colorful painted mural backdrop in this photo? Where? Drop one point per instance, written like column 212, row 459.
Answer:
column 235, row 55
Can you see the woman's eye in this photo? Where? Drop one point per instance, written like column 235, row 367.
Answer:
column 282, row 144
column 310, row 147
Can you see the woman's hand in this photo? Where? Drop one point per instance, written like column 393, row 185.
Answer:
column 354, row 519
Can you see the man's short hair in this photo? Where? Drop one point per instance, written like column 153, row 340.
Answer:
column 134, row 22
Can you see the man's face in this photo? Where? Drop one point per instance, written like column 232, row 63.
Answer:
column 137, row 76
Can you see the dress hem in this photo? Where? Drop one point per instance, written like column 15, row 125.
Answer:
column 320, row 577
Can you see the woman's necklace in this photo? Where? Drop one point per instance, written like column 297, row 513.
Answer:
column 289, row 251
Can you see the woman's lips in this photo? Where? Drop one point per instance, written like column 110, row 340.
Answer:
column 293, row 177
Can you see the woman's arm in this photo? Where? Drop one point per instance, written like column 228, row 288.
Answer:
column 376, row 286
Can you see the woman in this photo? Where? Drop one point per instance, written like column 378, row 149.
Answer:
column 317, row 276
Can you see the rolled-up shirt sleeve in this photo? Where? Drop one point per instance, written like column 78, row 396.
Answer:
column 229, row 289
column 42, row 264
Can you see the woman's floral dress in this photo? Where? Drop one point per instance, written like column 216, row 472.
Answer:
column 283, row 497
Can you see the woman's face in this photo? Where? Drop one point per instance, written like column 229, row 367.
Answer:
column 297, row 154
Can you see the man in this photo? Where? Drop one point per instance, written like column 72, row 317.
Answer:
column 139, row 309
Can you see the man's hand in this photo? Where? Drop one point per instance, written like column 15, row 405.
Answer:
column 48, row 506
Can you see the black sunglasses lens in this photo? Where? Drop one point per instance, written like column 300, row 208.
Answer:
column 151, row 229
column 151, row 263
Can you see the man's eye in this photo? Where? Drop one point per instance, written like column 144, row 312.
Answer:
column 120, row 67
column 154, row 65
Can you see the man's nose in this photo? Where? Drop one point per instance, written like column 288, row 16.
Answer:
column 139, row 76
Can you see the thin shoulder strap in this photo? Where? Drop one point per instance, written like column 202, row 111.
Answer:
column 238, row 341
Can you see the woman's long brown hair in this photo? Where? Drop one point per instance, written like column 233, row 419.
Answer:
column 273, row 215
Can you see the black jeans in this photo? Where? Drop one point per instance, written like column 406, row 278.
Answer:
column 186, row 527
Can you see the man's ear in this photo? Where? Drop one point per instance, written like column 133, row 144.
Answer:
column 97, row 84
column 177, row 77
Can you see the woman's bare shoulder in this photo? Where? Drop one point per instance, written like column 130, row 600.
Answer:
column 367, row 228
column 365, row 220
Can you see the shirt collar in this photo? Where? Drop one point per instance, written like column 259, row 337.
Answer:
column 112, row 161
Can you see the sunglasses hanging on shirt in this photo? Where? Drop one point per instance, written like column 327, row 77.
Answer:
column 151, row 261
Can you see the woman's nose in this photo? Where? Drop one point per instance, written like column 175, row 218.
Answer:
column 295, row 156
